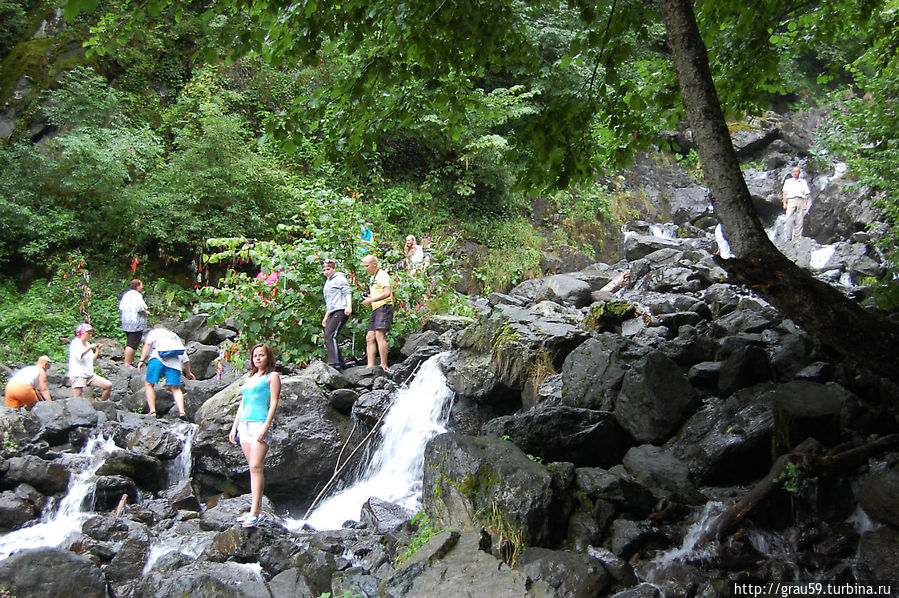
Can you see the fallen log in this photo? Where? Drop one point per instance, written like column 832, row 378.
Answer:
column 808, row 458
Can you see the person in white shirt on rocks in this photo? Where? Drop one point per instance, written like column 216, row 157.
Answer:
column 82, row 353
column 795, row 201
column 134, row 318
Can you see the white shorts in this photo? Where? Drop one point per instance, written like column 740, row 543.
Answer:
column 249, row 431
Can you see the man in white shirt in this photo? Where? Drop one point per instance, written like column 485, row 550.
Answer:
column 795, row 202
column 134, row 318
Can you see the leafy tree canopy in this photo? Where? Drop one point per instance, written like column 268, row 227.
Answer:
column 598, row 73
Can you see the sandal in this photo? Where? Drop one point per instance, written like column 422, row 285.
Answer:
column 153, row 413
column 250, row 521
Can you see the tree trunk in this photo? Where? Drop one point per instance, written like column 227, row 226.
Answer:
column 817, row 307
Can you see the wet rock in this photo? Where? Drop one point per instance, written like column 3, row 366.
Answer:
column 57, row 418
column 655, row 468
column 451, row 561
column 203, row 580
column 513, row 341
column 129, row 560
column 145, row 470
column 468, row 476
column 290, row 583
column 620, row 570
column 384, row 516
column 182, row 496
column 303, row 442
column 744, row 367
column 47, row 476
column 442, row 323
column 655, row 398
column 203, row 359
column 561, row 288
column 727, row 441
column 109, row 490
column 616, row 487
column 157, row 441
column 569, row 574
column 558, row 433
column 629, row 537
column 879, row 496
column 42, row 572
column 343, row 399
column 878, row 555
column 15, row 511
column 354, row 582
column 592, row 370
column 806, row 410
column 420, row 339
column 405, row 371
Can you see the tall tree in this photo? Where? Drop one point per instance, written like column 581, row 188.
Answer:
column 816, row 306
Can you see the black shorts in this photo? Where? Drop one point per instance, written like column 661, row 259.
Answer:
column 381, row 318
column 134, row 339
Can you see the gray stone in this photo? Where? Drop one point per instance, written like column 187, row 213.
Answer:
column 655, row 399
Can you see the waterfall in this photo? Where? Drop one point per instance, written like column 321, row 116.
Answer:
column 61, row 519
column 179, row 467
column 68, row 515
column 418, row 413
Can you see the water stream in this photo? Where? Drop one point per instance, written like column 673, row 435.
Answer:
column 65, row 517
column 418, row 413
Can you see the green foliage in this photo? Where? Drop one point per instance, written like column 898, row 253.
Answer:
column 513, row 252
column 43, row 318
column 425, row 530
column 272, row 289
column 864, row 129
column 791, row 477
column 77, row 191
column 12, row 23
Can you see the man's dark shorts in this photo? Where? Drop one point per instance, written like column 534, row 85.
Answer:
column 381, row 318
column 134, row 339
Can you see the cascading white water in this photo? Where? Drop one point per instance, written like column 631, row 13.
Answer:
column 418, row 413
column 60, row 520
column 57, row 523
column 179, row 467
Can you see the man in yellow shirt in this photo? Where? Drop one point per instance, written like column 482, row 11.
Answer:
column 380, row 298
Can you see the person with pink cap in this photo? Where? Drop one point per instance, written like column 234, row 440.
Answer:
column 82, row 353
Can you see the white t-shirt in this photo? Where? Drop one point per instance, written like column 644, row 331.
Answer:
column 796, row 188
column 30, row 374
column 80, row 366
column 161, row 337
column 131, row 304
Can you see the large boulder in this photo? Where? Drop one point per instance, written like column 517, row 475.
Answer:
column 728, row 441
column 584, row 437
column 514, row 343
column 47, row 476
column 454, row 563
column 593, row 372
column 481, row 479
column 561, row 288
column 655, row 399
column 43, row 572
column 879, row 496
